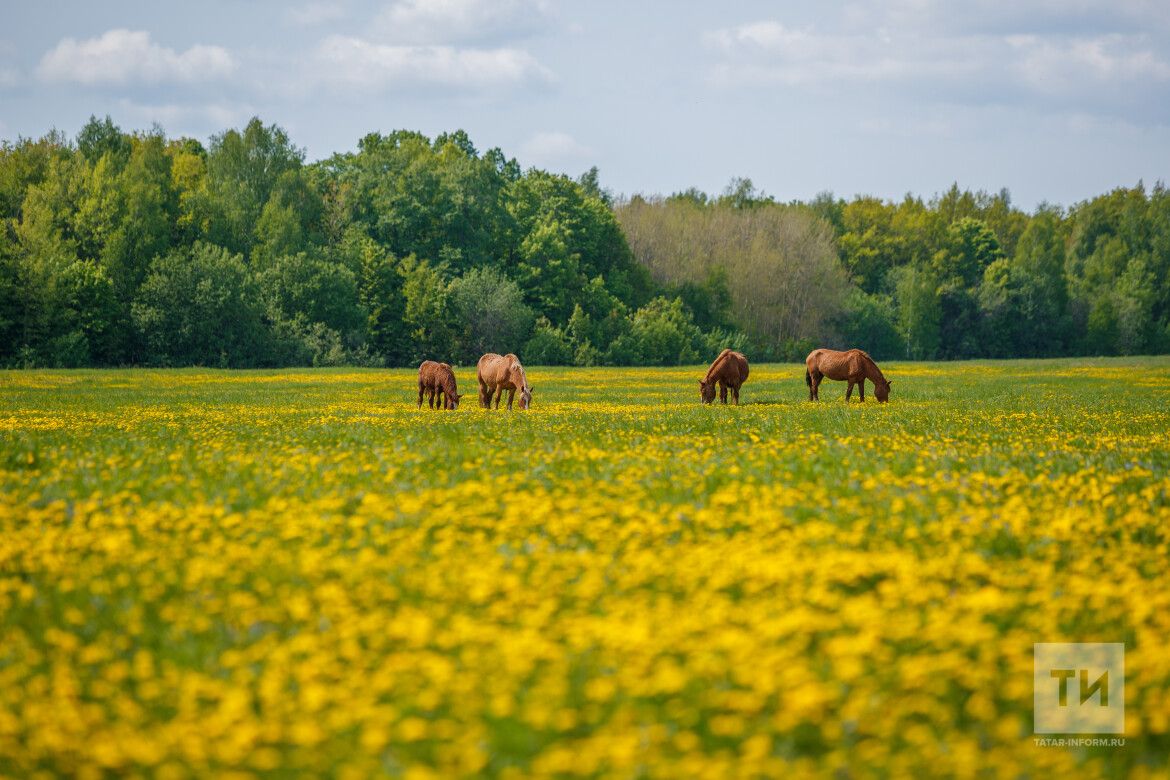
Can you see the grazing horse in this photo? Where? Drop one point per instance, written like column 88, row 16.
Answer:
column 853, row 366
column 497, row 373
column 437, row 380
column 730, row 370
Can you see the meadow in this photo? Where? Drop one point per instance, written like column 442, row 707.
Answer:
column 297, row 573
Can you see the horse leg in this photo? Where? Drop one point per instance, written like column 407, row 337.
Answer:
column 861, row 387
column 735, row 393
column 849, row 390
column 440, row 399
column 420, row 394
column 722, row 393
column 816, row 385
column 499, row 393
column 511, row 395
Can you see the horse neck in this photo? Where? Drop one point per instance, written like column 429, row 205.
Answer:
column 723, row 358
column 518, row 374
column 872, row 372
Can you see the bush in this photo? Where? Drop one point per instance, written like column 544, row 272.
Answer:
column 661, row 334
column 548, row 346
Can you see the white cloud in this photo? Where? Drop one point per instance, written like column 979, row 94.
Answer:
column 554, row 149
column 961, row 66
column 8, row 78
column 129, row 56
column 361, row 64
column 455, row 21
column 1005, row 17
column 1068, row 66
column 315, row 13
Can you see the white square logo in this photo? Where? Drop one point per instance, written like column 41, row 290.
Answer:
column 1079, row 688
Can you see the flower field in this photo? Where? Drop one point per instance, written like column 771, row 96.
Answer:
column 296, row 573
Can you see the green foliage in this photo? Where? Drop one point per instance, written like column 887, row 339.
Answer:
column 90, row 233
column 548, row 346
column 317, row 289
column 427, row 312
column 870, row 322
column 199, row 306
column 489, row 314
column 662, row 334
column 243, row 169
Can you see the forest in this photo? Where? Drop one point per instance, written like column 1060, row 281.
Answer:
column 131, row 248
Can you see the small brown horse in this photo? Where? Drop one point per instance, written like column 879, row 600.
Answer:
column 497, row 373
column 853, row 366
column 437, row 380
column 730, row 370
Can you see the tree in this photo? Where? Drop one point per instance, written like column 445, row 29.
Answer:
column 784, row 280
column 919, row 313
column 103, row 138
column 427, row 315
column 490, row 314
column 314, row 288
column 199, row 306
column 970, row 247
column 870, row 322
column 243, row 169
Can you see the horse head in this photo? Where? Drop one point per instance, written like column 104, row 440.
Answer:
column 881, row 391
column 453, row 400
column 525, row 396
column 707, row 390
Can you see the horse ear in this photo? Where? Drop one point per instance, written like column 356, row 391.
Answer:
column 889, row 382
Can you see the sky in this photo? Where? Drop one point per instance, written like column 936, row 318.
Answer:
column 1055, row 100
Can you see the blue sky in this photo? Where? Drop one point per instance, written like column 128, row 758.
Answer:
column 1057, row 100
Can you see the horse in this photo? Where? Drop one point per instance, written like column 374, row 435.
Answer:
column 853, row 366
column 437, row 380
column 498, row 373
column 730, row 370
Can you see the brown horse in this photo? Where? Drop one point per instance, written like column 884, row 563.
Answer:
column 853, row 366
column 497, row 373
column 730, row 370
column 437, row 380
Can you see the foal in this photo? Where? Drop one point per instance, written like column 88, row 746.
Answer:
column 437, row 380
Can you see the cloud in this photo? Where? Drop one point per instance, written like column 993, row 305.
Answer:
column 8, row 78
column 460, row 21
column 361, row 64
column 554, row 149
column 1113, row 71
column 129, row 56
column 1006, row 17
column 316, row 13
column 1068, row 66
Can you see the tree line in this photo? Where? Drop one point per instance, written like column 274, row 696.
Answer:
column 122, row 248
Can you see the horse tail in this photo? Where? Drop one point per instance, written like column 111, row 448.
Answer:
column 807, row 378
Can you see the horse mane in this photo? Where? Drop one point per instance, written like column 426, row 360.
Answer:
column 515, row 366
column 448, row 380
column 723, row 356
column 871, row 363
